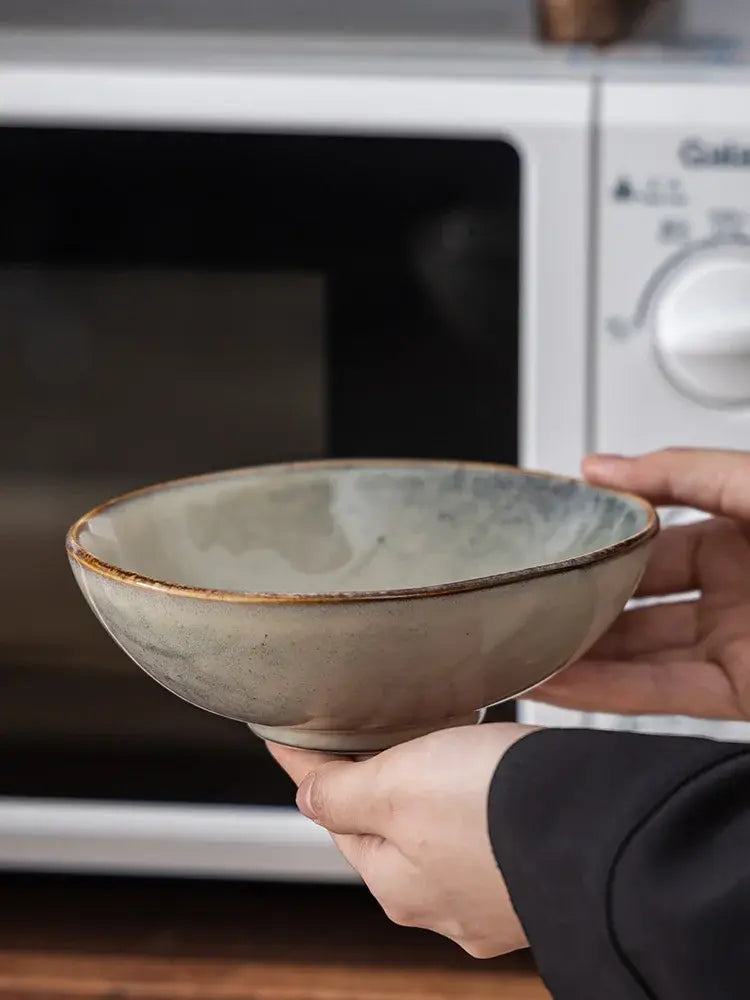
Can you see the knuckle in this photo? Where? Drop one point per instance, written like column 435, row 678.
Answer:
column 321, row 792
column 318, row 797
column 480, row 949
column 401, row 916
column 400, row 913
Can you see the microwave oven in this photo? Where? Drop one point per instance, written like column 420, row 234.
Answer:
column 222, row 246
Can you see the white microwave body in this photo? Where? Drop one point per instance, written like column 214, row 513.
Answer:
column 634, row 309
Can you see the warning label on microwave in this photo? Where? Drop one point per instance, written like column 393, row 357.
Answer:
column 654, row 191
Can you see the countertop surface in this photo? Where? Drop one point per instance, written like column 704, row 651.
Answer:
column 191, row 940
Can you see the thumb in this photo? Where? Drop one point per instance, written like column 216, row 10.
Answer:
column 340, row 796
column 715, row 482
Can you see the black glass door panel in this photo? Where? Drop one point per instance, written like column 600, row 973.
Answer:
column 172, row 303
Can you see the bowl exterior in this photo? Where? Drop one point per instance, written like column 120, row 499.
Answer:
column 363, row 674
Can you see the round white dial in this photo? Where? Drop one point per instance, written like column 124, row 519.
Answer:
column 700, row 319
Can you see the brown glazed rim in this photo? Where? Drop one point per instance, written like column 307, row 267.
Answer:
column 86, row 559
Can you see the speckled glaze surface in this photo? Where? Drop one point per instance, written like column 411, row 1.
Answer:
column 349, row 606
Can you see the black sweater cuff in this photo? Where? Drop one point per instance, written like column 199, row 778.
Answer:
column 563, row 805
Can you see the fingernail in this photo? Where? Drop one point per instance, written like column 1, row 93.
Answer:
column 304, row 797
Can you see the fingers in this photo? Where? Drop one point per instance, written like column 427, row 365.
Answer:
column 673, row 564
column 339, row 794
column 717, row 482
column 362, row 851
column 299, row 763
column 674, row 682
column 629, row 670
column 644, row 631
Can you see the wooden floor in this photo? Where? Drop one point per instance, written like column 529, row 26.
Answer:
column 144, row 940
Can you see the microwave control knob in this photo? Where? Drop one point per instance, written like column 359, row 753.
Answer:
column 700, row 321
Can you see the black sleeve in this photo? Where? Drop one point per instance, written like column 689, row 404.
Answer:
column 627, row 858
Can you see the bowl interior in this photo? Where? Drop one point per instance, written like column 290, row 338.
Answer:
column 347, row 528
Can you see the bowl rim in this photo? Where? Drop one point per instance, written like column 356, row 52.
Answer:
column 83, row 557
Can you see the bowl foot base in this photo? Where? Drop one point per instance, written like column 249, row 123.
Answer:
column 358, row 741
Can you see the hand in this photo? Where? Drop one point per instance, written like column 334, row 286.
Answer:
column 413, row 822
column 690, row 657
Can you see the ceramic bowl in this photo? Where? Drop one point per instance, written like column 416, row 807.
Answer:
column 348, row 606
